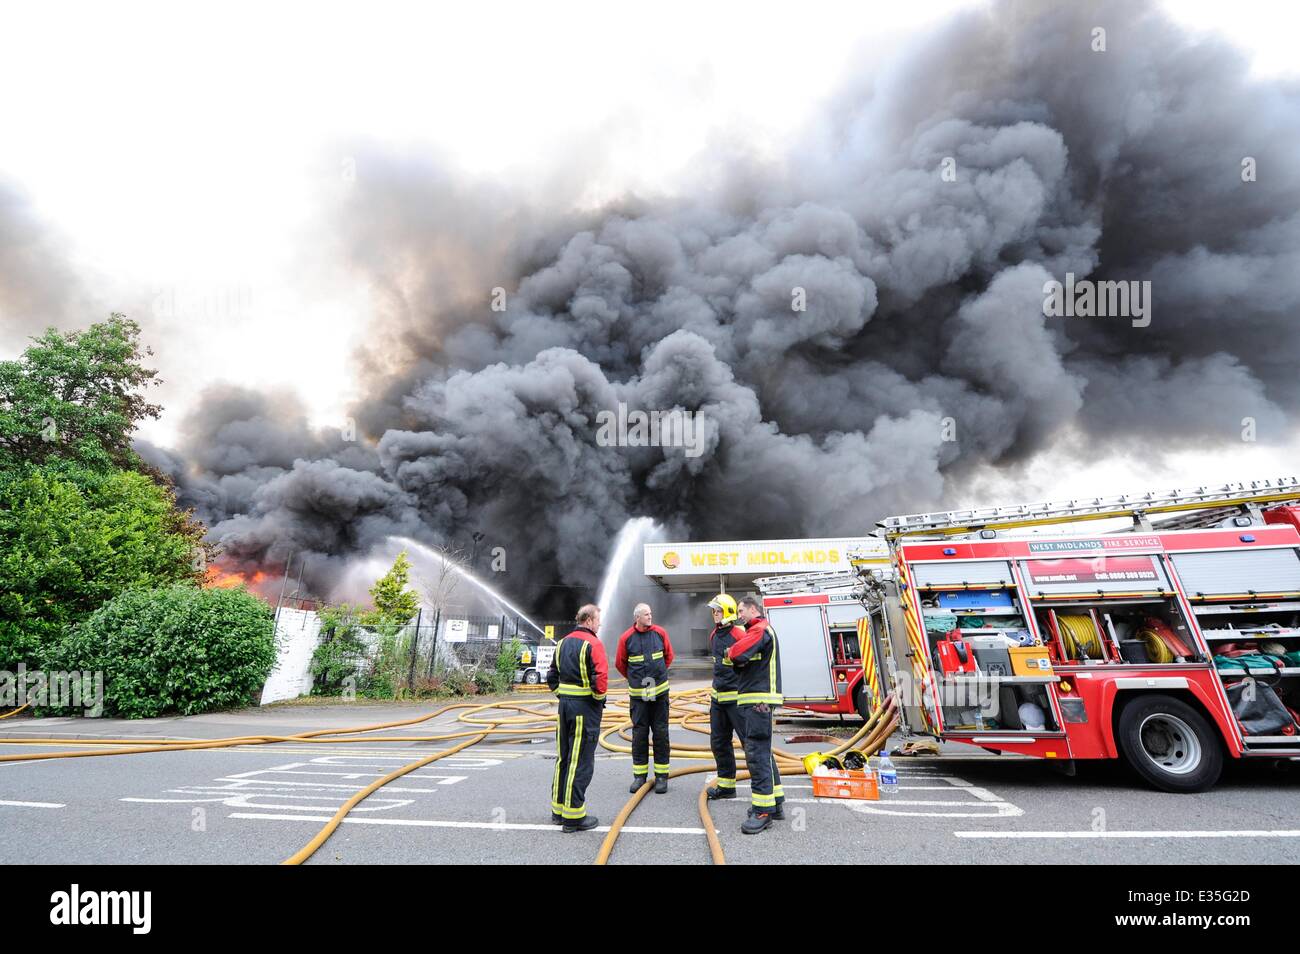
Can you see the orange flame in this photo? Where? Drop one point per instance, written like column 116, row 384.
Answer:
column 222, row 579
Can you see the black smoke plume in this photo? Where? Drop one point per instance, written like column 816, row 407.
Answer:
column 924, row 315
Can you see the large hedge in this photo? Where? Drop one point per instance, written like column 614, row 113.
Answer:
column 177, row 649
column 71, row 539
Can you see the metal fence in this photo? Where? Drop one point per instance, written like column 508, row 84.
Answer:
column 430, row 645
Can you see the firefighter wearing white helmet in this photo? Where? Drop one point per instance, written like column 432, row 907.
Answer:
column 723, row 720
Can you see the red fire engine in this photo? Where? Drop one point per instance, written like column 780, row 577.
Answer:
column 1172, row 645
column 827, row 655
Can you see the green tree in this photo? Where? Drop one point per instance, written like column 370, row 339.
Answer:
column 506, row 665
column 76, row 396
column 73, row 538
column 394, row 601
column 174, row 649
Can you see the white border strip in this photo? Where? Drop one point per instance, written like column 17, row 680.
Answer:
column 1243, row 833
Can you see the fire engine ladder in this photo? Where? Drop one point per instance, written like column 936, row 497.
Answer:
column 806, row 582
column 1219, row 502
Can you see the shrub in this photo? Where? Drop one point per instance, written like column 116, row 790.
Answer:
column 341, row 660
column 506, row 666
column 175, row 649
column 456, row 682
column 71, row 539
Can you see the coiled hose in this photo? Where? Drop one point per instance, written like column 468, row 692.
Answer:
column 1080, row 636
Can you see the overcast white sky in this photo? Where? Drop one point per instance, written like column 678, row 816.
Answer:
column 179, row 147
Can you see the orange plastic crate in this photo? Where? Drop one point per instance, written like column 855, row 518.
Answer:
column 846, row 783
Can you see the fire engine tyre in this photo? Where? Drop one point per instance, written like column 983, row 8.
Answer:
column 1170, row 744
column 860, row 702
column 531, row 678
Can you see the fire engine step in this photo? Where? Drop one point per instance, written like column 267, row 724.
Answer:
column 1272, row 740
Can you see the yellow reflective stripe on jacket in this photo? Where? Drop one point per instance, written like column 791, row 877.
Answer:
column 582, row 665
column 754, row 698
column 728, row 696
column 656, row 656
column 636, row 658
column 649, row 692
column 569, row 689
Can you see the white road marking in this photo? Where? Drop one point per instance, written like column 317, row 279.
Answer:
column 282, row 749
column 486, row 826
column 1004, row 810
column 452, row 761
column 1243, row 833
column 375, row 803
column 855, row 803
column 291, row 768
column 983, row 794
column 230, row 784
column 32, row 804
column 254, row 789
column 900, row 788
column 983, row 799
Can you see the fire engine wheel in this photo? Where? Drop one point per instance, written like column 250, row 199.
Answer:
column 531, row 677
column 1170, row 744
column 860, row 702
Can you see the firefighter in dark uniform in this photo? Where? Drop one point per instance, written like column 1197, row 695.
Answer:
column 758, row 665
column 643, row 657
column 724, row 720
column 579, row 675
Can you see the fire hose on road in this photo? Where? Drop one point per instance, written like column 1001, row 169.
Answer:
column 502, row 720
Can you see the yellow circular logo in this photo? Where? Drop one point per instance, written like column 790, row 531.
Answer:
column 671, row 560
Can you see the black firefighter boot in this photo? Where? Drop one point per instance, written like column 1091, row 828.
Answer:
column 756, row 821
column 661, row 784
column 716, row 792
column 585, row 823
column 637, row 782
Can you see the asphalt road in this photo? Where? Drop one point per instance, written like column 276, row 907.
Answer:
column 490, row 804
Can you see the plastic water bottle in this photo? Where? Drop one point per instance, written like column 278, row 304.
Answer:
column 888, row 773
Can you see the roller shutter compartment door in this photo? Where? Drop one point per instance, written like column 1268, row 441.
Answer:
column 1222, row 572
column 805, row 653
column 977, row 573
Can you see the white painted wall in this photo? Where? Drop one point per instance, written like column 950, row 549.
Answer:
column 297, row 634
